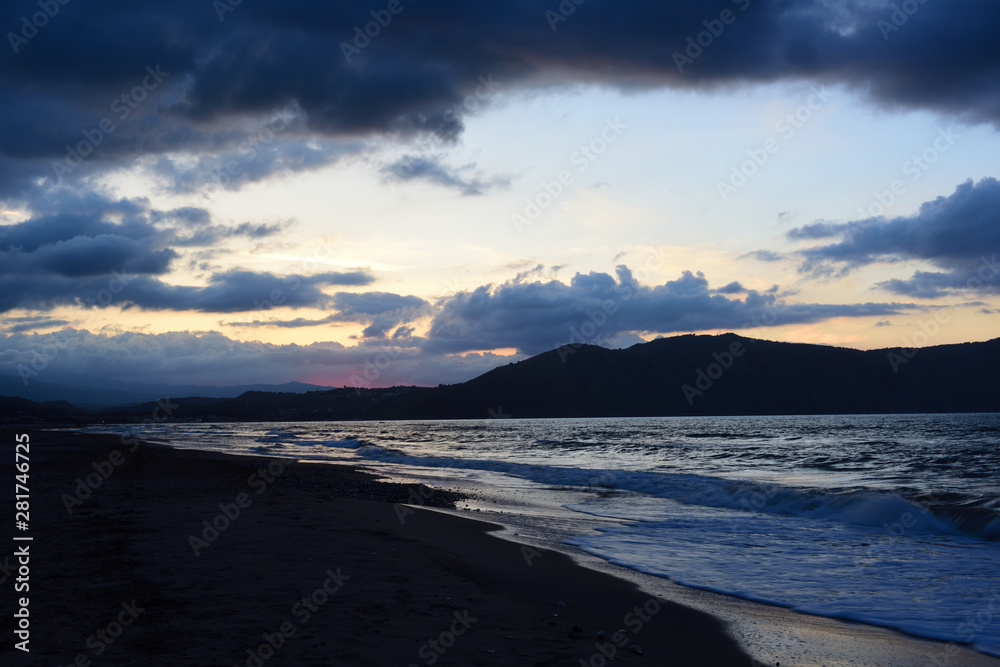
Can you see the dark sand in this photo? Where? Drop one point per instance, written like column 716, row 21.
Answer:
column 382, row 589
column 312, row 530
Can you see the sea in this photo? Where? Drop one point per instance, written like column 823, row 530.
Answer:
column 889, row 520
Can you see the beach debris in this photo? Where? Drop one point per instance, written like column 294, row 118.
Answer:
column 601, row 634
column 635, row 648
column 560, row 604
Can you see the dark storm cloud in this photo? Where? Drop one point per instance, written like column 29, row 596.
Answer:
column 232, row 169
column 210, row 235
column 84, row 233
column 430, row 169
column 30, row 235
column 99, row 236
column 959, row 234
column 31, row 323
column 240, row 291
column 598, row 308
column 432, row 54
column 381, row 311
column 110, row 251
column 732, row 288
column 374, row 303
column 436, row 61
column 88, row 256
column 232, row 291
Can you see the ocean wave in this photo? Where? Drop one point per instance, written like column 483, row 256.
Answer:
column 346, row 443
column 863, row 507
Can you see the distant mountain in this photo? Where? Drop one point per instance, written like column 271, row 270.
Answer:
column 724, row 375
column 331, row 405
column 15, row 410
column 92, row 393
column 682, row 375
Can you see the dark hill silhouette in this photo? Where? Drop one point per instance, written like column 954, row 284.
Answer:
column 15, row 410
column 682, row 375
column 700, row 375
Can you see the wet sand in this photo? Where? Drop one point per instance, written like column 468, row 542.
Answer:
column 323, row 565
column 317, row 569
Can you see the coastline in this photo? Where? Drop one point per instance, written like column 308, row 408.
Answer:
column 318, row 578
column 380, row 581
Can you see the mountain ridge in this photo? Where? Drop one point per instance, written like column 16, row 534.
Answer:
column 93, row 393
column 725, row 374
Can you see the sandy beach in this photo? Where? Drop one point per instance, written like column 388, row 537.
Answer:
column 178, row 557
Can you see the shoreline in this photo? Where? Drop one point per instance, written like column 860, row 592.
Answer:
column 414, row 571
column 301, row 576
column 770, row 633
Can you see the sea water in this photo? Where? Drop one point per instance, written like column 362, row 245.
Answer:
column 891, row 520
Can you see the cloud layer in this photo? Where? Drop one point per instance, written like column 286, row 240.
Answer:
column 959, row 233
column 265, row 79
column 83, row 248
column 598, row 308
column 212, row 359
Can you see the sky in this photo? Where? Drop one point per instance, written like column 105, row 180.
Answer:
column 417, row 191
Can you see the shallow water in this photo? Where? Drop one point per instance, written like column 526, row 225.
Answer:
column 891, row 520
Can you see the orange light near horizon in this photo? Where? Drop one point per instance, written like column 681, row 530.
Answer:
column 505, row 351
